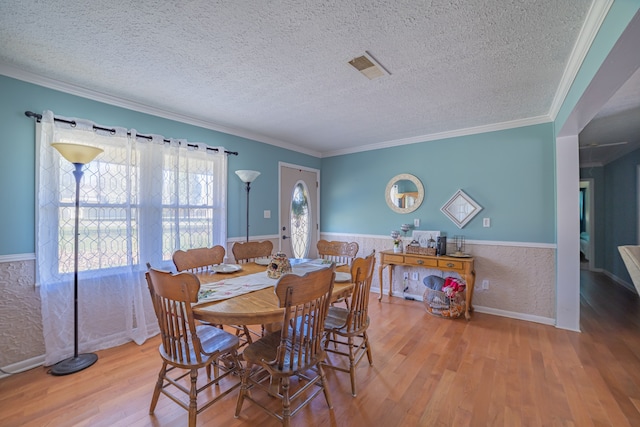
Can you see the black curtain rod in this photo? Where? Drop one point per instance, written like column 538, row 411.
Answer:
column 38, row 118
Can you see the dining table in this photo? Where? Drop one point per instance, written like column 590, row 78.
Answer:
column 243, row 294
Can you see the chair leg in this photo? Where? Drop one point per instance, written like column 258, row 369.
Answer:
column 352, row 366
column 365, row 337
column 158, row 388
column 330, row 337
column 243, row 389
column 286, row 402
column 325, row 386
column 193, row 398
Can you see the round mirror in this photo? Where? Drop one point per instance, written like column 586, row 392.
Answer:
column 404, row 193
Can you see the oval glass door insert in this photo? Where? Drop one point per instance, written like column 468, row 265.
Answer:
column 300, row 220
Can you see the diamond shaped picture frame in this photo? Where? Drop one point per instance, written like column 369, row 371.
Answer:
column 461, row 208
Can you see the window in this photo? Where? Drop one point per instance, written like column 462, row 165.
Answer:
column 140, row 200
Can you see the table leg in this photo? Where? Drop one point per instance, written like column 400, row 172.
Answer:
column 380, row 276
column 470, row 279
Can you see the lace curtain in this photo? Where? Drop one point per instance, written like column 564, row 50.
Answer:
column 140, row 200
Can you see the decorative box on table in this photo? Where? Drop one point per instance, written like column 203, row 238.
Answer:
column 419, row 250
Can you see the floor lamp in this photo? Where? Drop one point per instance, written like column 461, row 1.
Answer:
column 79, row 155
column 247, row 177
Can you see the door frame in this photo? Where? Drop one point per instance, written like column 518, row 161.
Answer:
column 317, row 202
column 621, row 62
column 638, row 206
column 588, row 184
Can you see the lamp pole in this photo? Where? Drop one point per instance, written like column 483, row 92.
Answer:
column 78, row 175
column 247, row 176
column 79, row 155
column 248, row 189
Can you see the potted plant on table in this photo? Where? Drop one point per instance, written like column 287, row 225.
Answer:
column 397, row 242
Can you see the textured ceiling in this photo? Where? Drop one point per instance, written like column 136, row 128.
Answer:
column 278, row 71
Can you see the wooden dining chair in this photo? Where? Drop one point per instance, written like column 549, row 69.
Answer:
column 186, row 346
column 295, row 350
column 347, row 328
column 198, row 259
column 250, row 251
column 338, row 252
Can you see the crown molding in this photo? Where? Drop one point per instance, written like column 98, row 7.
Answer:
column 26, row 76
column 596, row 15
column 444, row 135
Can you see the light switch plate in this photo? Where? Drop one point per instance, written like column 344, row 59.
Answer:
column 267, row 214
column 416, row 222
column 486, row 222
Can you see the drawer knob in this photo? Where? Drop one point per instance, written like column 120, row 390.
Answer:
column 450, row 264
column 420, row 261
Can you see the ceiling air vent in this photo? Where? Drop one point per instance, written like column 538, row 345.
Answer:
column 368, row 66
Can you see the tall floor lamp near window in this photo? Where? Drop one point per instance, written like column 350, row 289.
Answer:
column 79, row 155
column 247, row 177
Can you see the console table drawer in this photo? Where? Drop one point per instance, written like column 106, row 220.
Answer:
column 456, row 265
column 393, row 259
column 419, row 261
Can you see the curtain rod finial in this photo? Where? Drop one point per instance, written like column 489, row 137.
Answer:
column 38, row 117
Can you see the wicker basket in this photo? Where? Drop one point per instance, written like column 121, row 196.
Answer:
column 419, row 250
column 439, row 304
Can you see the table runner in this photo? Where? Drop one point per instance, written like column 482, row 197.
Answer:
column 235, row 286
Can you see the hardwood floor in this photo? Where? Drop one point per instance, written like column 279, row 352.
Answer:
column 491, row 371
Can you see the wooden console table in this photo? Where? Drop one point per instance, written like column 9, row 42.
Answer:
column 462, row 266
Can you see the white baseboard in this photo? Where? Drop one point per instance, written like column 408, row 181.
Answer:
column 489, row 310
column 618, row 280
column 514, row 315
column 22, row 366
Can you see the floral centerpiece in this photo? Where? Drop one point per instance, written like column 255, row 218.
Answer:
column 397, row 242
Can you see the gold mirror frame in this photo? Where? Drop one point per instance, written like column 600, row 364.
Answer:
column 418, row 199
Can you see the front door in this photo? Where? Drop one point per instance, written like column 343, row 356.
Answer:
column 299, row 211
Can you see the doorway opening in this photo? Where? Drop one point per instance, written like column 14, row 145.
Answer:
column 587, row 254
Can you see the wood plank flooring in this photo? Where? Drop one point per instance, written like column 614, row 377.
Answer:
column 427, row 371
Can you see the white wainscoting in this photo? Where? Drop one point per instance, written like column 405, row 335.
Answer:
column 521, row 276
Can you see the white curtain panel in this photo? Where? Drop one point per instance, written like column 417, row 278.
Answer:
column 140, row 200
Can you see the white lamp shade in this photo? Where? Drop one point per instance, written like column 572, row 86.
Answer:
column 77, row 153
column 247, row 175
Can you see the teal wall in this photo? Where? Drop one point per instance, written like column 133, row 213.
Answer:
column 621, row 211
column 616, row 211
column 17, row 159
column 509, row 173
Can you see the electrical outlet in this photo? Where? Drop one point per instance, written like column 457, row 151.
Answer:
column 416, row 222
column 406, row 275
column 485, row 285
column 414, row 275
